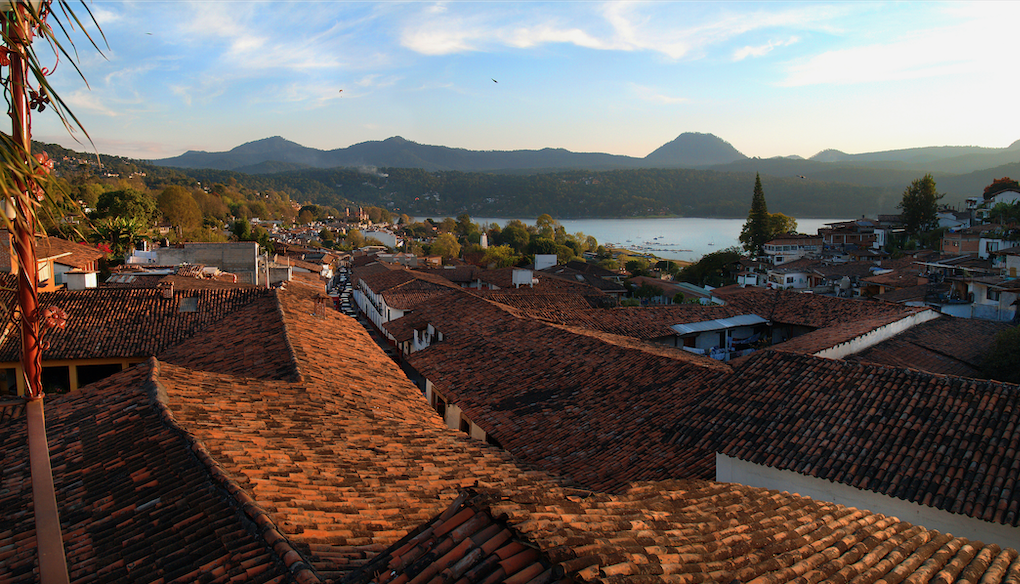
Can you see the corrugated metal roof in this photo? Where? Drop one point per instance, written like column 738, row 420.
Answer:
column 718, row 324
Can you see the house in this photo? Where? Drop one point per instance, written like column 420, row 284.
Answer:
column 67, row 256
column 237, row 257
column 1007, row 260
column 108, row 330
column 588, row 276
column 55, row 257
column 1008, row 196
column 860, row 233
column 883, row 281
column 248, row 456
column 976, row 240
column 792, row 246
column 943, row 346
column 796, row 275
column 670, row 289
column 993, row 297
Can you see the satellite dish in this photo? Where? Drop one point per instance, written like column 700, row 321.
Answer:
column 844, row 284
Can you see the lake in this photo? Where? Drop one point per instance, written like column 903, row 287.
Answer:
column 675, row 238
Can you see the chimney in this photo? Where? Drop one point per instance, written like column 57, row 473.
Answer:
column 166, row 288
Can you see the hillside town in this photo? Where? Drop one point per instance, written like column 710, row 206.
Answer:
column 222, row 413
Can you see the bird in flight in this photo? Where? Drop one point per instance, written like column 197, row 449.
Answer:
column 493, row 80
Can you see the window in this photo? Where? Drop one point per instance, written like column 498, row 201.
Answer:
column 992, row 294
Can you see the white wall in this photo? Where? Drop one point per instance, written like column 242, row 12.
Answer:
column 875, row 336
column 733, row 470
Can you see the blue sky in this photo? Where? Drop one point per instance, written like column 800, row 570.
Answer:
column 620, row 77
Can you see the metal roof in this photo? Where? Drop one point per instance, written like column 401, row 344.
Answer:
column 718, row 324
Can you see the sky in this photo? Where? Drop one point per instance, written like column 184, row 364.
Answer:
column 772, row 79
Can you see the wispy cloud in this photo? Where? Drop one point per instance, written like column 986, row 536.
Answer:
column 652, row 95
column 674, row 30
column 762, row 50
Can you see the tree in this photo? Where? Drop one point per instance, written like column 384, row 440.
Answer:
column 757, row 231
column 127, row 203
column 516, row 236
column 919, row 206
column 779, row 224
column 1001, row 184
column 1001, row 361
column 355, row 239
column 446, row 246
column 179, row 207
column 637, row 267
column 500, row 256
column 119, row 234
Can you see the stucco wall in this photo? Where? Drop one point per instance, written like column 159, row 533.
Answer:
column 876, row 336
column 733, row 470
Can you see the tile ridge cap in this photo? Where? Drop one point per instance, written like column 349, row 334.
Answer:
column 297, row 377
column 261, row 523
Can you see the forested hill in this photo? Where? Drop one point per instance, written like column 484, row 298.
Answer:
column 794, row 187
column 568, row 194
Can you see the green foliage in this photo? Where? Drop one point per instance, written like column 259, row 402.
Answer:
column 445, row 245
column 919, row 206
column 118, row 233
column 500, row 256
column 646, row 290
column 1001, row 184
column 542, row 245
column 179, row 208
column 354, row 239
column 1005, row 213
column 129, row 204
column 637, row 267
column 713, row 269
column 630, row 302
column 779, row 224
column 609, row 264
column 757, row 230
column 1001, row 361
column 516, row 236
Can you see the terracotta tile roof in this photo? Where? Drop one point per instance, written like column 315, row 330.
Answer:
column 67, row 253
column 837, row 334
column 940, row 441
column 181, row 282
column 107, row 322
column 577, row 403
column 135, row 503
column 651, row 322
column 909, row 294
column 680, row 532
column 346, row 458
column 573, row 275
column 249, row 342
column 299, row 263
column 592, row 269
column 897, row 279
column 835, row 271
column 946, row 345
column 811, row 310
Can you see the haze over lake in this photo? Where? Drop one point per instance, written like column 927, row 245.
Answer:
column 675, row 238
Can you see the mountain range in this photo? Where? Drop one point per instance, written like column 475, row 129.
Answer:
column 689, row 150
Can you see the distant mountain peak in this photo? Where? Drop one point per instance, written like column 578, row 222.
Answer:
column 695, row 149
column 830, row 155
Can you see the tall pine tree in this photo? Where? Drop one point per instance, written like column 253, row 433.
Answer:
column 757, row 231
